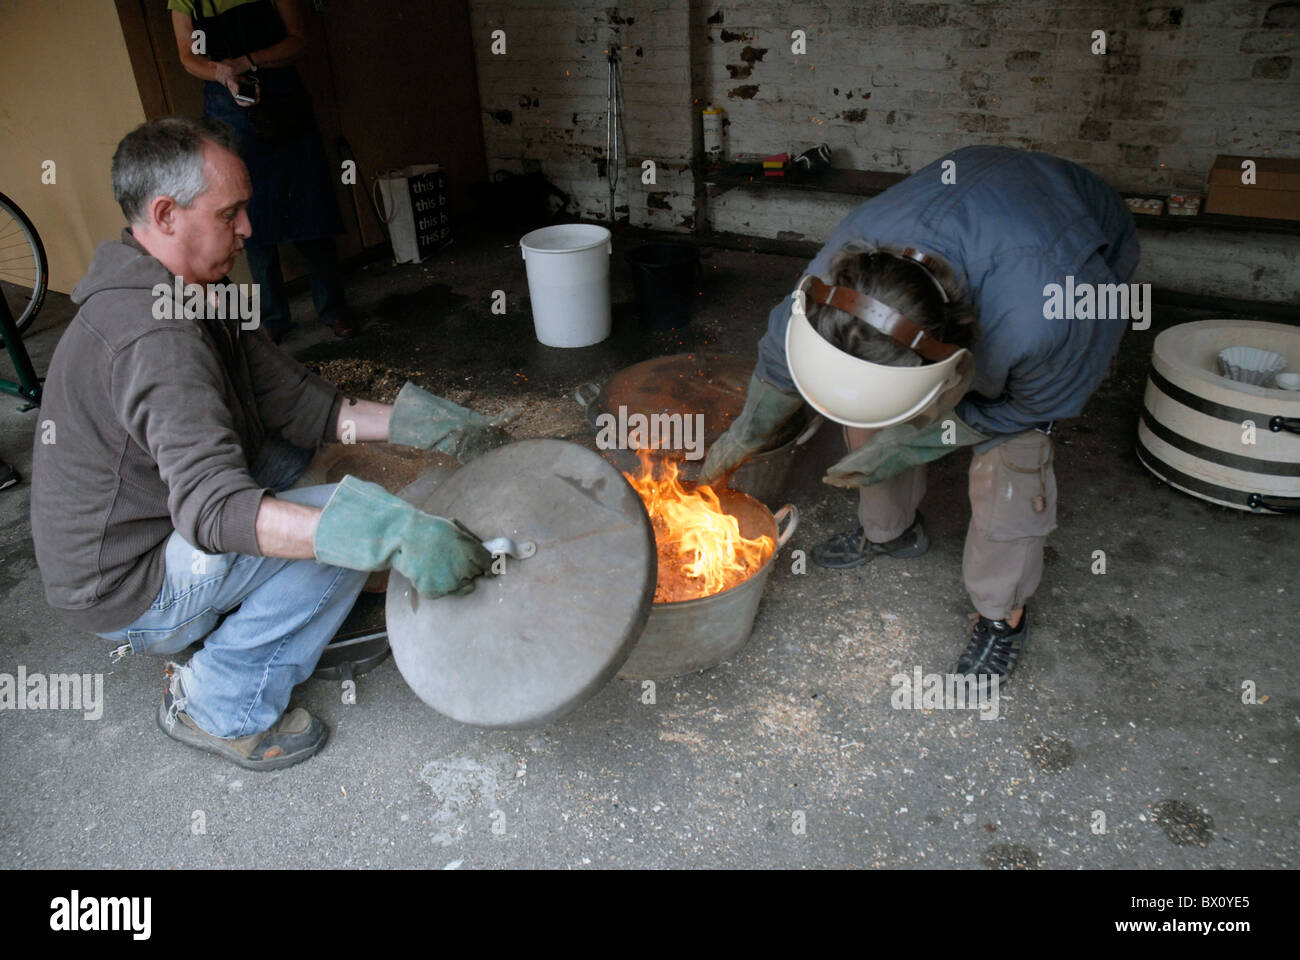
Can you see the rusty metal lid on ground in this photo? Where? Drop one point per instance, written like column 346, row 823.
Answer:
column 534, row 641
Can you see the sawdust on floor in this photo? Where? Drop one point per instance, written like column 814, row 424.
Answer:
column 363, row 379
column 531, row 416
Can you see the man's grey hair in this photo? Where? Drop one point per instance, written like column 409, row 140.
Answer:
column 164, row 157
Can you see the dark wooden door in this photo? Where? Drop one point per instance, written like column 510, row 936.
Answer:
column 393, row 83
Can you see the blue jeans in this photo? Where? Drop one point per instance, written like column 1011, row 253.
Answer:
column 323, row 271
column 279, row 615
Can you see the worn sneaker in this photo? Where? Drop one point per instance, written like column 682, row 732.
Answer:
column 296, row 736
column 852, row 548
column 8, row 475
column 994, row 646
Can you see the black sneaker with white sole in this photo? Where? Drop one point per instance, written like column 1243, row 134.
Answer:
column 851, row 548
column 296, row 736
column 8, row 476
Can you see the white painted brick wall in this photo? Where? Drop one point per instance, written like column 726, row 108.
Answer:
column 545, row 100
column 1248, row 266
column 891, row 85
column 1032, row 83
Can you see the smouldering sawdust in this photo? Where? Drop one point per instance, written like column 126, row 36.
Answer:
column 674, row 583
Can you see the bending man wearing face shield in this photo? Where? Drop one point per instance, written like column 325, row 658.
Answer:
column 920, row 326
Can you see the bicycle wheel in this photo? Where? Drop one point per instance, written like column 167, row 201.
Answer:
column 24, row 271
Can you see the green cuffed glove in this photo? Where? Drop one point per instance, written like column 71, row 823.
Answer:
column 899, row 448
column 767, row 412
column 425, row 420
column 364, row 527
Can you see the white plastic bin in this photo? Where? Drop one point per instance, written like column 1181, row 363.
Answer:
column 568, row 282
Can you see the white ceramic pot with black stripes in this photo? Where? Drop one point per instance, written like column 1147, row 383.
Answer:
column 1231, row 443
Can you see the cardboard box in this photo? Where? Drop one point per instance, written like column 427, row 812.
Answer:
column 1275, row 194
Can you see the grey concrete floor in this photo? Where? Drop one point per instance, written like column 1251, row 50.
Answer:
column 1127, row 705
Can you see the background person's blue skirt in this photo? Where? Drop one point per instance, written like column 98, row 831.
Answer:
column 293, row 193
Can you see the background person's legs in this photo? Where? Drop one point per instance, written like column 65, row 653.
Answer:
column 322, row 272
column 326, row 281
column 264, row 265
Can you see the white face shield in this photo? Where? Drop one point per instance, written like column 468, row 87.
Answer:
column 859, row 393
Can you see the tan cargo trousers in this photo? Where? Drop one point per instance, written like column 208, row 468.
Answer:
column 1013, row 509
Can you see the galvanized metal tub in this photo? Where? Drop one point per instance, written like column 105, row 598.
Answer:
column 692, row 635
column 763, row 476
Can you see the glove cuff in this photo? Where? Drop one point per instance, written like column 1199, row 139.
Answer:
column 767, row 410
column 424, row 420
column 898, row 448
column 408, row 424
column 346, row 533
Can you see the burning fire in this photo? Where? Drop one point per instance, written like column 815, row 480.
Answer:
column 701, row 551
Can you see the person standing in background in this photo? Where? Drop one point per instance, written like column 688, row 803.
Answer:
column 253, row 44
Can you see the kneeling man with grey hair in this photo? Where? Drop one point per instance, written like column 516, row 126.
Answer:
column 161, row 516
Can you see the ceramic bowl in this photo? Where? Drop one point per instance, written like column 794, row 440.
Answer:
column 1251, row 365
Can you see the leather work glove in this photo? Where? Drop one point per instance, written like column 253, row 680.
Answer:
column 898, row 448
column 364, row 527
column 767, row 411
column 425, row 420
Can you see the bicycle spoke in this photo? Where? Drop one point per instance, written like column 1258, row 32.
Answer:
column 23, row 267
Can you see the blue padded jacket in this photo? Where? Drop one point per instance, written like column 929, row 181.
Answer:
column 1012, row 223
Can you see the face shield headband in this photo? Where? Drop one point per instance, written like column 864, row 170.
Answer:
column 860, row 393
column 881, row 316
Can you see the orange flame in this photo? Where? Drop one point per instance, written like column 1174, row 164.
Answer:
column 701, row 551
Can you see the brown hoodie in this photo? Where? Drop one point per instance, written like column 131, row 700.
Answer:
column 154, row 425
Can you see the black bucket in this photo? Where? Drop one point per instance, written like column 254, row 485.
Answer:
column 667, row 279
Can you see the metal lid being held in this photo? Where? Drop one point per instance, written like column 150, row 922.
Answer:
column 534, row 641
